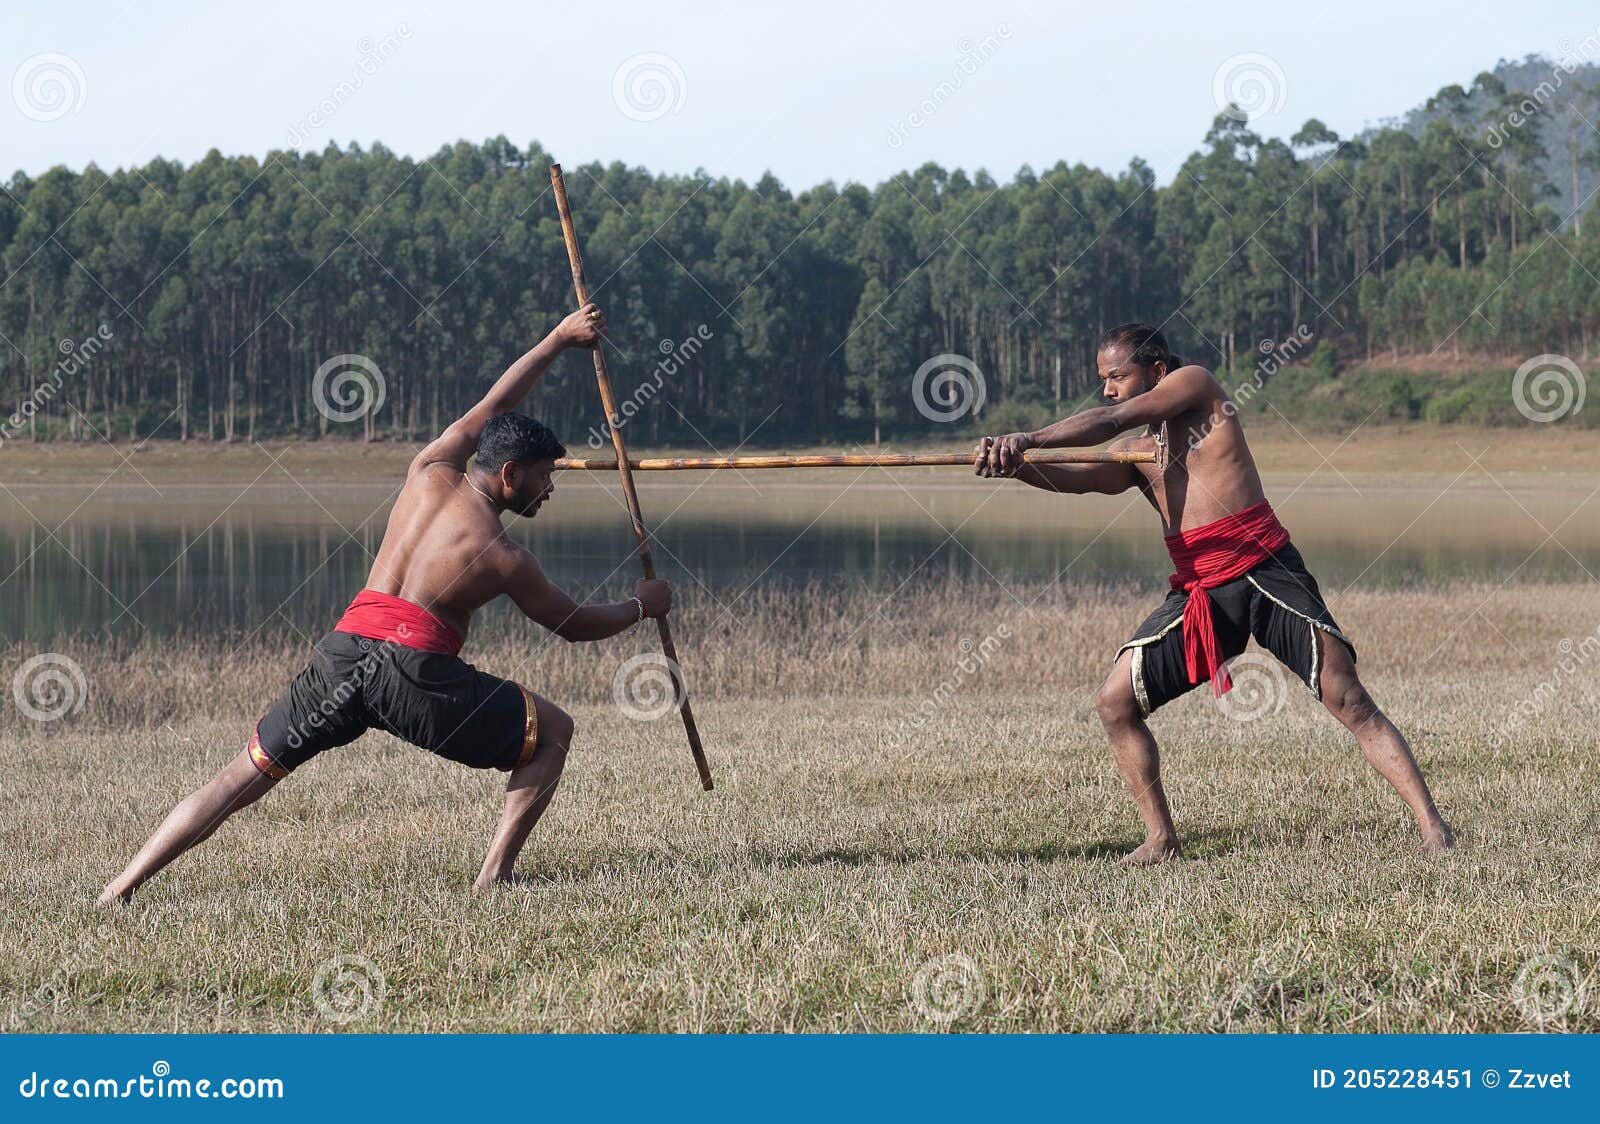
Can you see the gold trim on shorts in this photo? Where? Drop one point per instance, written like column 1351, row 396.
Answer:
column 260, row 759
column 1136, row 666
column 530, row 728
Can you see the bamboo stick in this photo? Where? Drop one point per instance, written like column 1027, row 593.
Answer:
column 865, row 460
column 621, row 464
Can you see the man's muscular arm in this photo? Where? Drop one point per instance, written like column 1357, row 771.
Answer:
column 459, row 441
column 1184, row 389
column 542, row 602
column 1069, row 479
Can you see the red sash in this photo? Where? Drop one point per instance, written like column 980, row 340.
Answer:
column 378, row 616
column 1214, row 555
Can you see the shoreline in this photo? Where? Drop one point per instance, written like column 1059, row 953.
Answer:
column 1403, row 453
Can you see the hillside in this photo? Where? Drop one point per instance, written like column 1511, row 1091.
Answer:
column 1568, row 110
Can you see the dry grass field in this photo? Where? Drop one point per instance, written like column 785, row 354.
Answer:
column 914, row 829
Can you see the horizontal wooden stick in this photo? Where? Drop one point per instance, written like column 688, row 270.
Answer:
column 866, row 460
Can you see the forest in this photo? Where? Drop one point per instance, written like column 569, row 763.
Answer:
column 207, row 301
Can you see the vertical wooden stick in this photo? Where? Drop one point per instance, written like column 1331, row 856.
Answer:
column 609, row 404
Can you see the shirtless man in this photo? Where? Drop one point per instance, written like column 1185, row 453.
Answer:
column 391, row 661
column 1237, row 575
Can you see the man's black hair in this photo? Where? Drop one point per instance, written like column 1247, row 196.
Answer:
column 516, row 437
column 1146, row 344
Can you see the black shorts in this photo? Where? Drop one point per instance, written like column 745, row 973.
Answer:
column 1278, row 603
column 430, row 699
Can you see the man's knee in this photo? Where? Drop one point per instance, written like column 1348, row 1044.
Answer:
column 556, row 728
column 549, row 736
column 1348, row 701
column 1115, row 703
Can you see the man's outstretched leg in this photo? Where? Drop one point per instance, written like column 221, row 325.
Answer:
column 1139, row 762
column 528, row 793
column 194, row 819
column 1385, row 747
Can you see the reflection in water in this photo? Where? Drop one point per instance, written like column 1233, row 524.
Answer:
column 213, row 560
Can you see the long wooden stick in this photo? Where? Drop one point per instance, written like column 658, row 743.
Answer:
column 608, row 402
column 865, row 460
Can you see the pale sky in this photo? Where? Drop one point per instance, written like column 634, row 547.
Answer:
column 811, row 91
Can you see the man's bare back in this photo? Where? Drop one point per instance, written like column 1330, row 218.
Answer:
column 445, row 547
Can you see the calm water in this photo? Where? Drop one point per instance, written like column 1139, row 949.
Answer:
column 230, row 560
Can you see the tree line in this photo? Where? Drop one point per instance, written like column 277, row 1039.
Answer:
column 221, row 294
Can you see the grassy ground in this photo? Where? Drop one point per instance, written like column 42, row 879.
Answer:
column 914, row 830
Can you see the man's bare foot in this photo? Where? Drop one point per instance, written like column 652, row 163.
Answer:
column 1157, row 849
column 1437, row 837
column 112, row 897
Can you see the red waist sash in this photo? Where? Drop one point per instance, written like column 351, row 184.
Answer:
column 1214, row 555
column 378, row 616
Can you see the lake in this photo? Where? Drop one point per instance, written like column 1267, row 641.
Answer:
column 180, row 557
